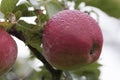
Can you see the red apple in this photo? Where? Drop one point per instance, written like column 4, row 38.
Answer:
column 71, row 40
column 8, row 51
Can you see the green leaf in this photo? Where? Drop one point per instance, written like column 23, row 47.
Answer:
column 41, row 19
column 31, row 34
column 91, row 72
column 111, row 7
column 24, row 9
column 8, row 5
column 52, row 7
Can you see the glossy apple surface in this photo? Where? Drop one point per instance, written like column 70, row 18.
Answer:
column 71, row 39
column 8, row 51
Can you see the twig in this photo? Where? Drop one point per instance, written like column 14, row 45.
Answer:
column 56, row 74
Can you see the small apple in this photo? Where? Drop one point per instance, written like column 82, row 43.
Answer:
column 71, row 40
column 8, row 51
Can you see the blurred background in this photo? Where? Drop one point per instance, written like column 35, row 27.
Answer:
column 109, row 61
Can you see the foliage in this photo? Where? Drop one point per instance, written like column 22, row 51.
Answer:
column 90, row 72
column 111, row 7
column 31, row 34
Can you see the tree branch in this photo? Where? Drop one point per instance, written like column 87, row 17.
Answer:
column 56, row 74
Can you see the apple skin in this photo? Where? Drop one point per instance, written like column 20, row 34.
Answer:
column 8, row 51
column 71, row 40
